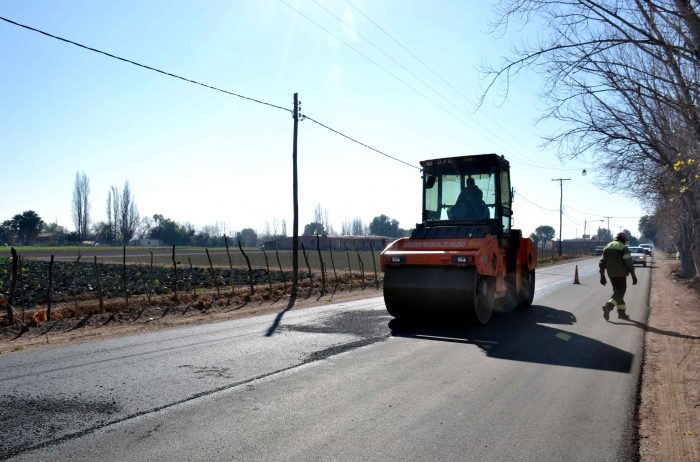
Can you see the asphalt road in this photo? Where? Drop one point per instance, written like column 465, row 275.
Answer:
column 344, row 382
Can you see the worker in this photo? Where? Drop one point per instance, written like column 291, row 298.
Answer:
column 617, row 260
column 469, row 204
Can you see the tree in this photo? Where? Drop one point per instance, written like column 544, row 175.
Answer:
column 80, row 205
column 385, row 226
column 604, row 235
column 129, row 219
column 314, row 228
column 647, row 228
column 170, row 232
column 623, row 78
column 111, row 231
column 122, row 215
column 354, row 227
column 248, row 237
column 6, row 234
column 632, row 240
column 544, row 233
column 26, row 226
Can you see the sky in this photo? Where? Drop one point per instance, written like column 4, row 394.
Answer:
column 402, row 77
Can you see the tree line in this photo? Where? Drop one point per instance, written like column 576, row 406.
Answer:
column 124, row 223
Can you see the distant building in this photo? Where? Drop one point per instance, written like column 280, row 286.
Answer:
column 146, row 242
column 339, row 243
column 48, row 239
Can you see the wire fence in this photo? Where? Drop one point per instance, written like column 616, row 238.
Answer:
column 112, row 280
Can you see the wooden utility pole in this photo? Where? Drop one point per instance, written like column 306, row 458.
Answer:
column 295, row 225
column 561, row 204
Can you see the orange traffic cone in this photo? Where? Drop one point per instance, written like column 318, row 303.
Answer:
column 576, row 281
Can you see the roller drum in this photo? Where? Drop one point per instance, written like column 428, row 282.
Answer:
column 425, row 290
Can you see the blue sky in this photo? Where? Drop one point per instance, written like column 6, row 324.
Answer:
column 199, row 156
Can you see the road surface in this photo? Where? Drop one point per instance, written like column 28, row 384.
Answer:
column 344, row 382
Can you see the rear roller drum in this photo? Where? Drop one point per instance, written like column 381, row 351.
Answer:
column 527, row 290
column 483, row 300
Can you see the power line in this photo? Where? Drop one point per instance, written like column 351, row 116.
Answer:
column 536, row 205
column 359, row 142
column 512, row 149
column 169, row 74
column 407, row 50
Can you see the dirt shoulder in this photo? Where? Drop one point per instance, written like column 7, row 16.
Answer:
column 142, row 317
column 669, row 410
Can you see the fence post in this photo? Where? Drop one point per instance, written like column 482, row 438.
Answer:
column 48, row 293
column 75, row 284
column 323, row 269
column 175, row 273
column 98, row 284
column 230, row 267
column 211, row 267
column 194, row 279
column 330, row 250
column 23, row 299
column 284, row 280
column 306, row 259
column 267, row 265
column 13, row 287
column 250, row 269
column 362, row 266
column 374, row 264
column 347, row 252
column 150, row 281
column 126, row 289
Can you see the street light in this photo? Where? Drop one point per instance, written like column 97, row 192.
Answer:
column 585, row 222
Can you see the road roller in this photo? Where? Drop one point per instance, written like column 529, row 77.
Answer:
column 464, row 258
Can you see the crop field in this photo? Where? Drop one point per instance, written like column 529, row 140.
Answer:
column 162, row 256
column 90, row 273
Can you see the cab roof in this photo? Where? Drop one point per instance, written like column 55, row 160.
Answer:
column 459, row 161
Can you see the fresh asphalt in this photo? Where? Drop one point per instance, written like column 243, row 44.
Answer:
column 344, row 382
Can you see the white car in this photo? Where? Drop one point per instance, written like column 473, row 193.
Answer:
column 639, row 256
column 648, row 248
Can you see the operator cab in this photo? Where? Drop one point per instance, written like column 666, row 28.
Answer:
column 469, row 195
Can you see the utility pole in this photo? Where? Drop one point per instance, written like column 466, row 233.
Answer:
column 295, row 195
column 609, row 230
column 561, row 204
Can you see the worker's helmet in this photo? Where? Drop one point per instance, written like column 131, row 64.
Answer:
column 622, row 237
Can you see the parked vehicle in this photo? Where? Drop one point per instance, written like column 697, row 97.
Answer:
column 648, row 248
column 639, row 256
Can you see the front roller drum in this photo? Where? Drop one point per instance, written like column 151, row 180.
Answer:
column 413, row 291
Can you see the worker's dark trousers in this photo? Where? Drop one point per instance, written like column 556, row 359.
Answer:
column 619, row 286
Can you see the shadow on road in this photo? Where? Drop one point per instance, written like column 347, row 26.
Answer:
column 520, row 336
column 655, row 330
column 275, row 324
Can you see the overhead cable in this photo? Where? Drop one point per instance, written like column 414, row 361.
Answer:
column 536, row 205
column 143, row 65
column 496, row 136
column 169, row 74
column 359, row 142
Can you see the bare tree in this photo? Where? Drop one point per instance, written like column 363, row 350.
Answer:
column 129, row 219
column 81, row 204
column 623, row 78
column 113, row 213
